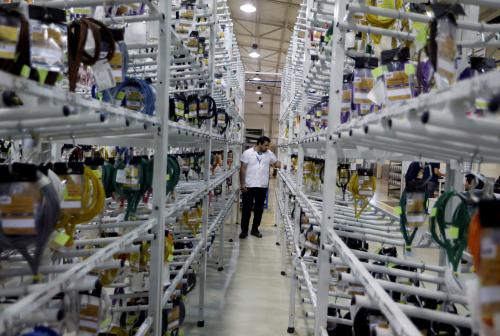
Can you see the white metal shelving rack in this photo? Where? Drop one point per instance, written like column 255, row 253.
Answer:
column 52, row 115
column 431, row 126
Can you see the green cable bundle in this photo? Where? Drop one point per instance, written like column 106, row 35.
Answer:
column 133, row 188
column 452, row 235
column 108, row 172
column 173, row 173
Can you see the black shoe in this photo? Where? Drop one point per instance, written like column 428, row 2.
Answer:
column 256, row 234
column 243, row 235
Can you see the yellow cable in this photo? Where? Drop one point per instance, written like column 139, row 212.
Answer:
column 382, row 21
column 354, row 188
column 93, row 198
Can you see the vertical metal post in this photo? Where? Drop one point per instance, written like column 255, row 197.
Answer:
column 327, row 221
column 160, row 170
column 208, row 151
column 224, row 196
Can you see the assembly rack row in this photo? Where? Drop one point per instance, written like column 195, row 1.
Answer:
column 376, row 225
column 38, row 295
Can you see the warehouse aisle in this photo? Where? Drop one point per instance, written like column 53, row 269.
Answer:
column 249, row 297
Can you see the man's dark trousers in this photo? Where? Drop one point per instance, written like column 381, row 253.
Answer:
column 252, row 198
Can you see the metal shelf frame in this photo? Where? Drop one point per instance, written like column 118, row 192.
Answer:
column 61, row 117
column 433, row 126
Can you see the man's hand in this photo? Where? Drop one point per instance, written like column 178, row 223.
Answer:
column 243, row 188
column 277, row 164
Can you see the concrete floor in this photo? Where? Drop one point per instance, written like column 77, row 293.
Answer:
column 250, row 296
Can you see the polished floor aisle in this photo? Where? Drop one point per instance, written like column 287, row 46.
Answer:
column 250, row 296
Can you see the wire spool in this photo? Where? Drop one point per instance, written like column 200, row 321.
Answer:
column 343, row 177
column 173, row 173
column 45, row 218
column 207, row 109
column 180, row 110
column 451, row 236
column 128, row 180
column 221, row 120
column 92, row 197
column 362, row 185
column 135, row 94
column 409, row 235
column 382, row 21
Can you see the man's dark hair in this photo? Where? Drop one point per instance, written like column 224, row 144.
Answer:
column 470, row 177
column 263, row 139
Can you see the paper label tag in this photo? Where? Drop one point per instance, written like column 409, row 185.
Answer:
column 8, row 41
column 89, row 314
column 19, row 203
column 398, row 86
column 73, row 191
column 116, row 64
column 103, row 75
column 129, row 177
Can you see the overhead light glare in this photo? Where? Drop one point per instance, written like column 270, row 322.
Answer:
column 256, row 78
column 254, row 54
column 260, row 102
column 258, row 92
column 248, row 8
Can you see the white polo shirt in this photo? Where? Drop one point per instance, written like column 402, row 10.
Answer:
column 257, row 174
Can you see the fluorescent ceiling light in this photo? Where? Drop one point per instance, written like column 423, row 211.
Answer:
column 254, row 54
column 256, row 78
column 260, row 102
column 248, row 8
column 258, row 92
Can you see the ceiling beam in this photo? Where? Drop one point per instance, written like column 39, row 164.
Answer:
column 281, row 2
column 267, row 23
column 261, row 37
column 271, row 31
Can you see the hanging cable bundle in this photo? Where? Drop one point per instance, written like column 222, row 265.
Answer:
column 28, row 212
column 83, row 196
column 173, row 173
column 362, row 185
column 222, row 120
column 78, row 32
column 16, row 47
column 128, row 180
column 179, row 112
column 135, row 94
column 412, row 211
column 343, row 178
column 382, row 21
column 452, row 236
column 207, row 109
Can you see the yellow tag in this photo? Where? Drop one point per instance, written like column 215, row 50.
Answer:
column 170, row 258
column 25, row 71
column 433, row 212
column 120, row 95
column 377, row 72
column 398, row 211
column 421, row 38
column 409, row 69
column 167, row 178
column 61, row 238
column 452, row 232
column 42, row 75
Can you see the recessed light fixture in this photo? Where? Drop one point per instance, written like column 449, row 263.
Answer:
column 248, row 7
column 256, row 78
column 254, row 53
column 260, row 102
column 258, row 91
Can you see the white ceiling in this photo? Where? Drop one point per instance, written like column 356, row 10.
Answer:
column 270, row 27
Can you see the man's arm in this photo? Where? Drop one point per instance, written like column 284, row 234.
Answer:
column 438, row 173
column 243, row 172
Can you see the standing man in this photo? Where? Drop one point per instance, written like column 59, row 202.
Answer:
column 254, row 181
column 432, row 175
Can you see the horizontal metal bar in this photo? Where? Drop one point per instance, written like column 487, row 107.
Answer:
column 423, row 313
column 67, row 4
